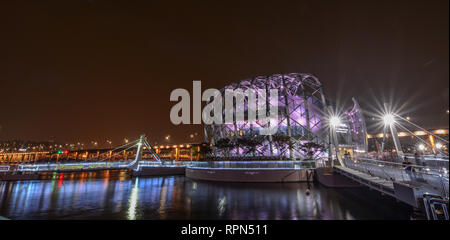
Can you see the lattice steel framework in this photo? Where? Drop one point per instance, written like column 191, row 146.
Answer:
column 301, row 120
column 357, row 126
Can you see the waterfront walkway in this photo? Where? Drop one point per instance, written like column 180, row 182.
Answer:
column 420, row 187
column 376, row 183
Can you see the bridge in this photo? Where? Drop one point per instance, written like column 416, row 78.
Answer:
column 420, row 180
column 177, row 152
column 423, row 187
column 104, row 163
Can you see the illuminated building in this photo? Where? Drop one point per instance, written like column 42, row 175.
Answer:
column 300, row 121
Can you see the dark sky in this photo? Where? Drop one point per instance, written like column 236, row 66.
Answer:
column 85, row 70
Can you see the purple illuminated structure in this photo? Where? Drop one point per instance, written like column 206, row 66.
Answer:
column 357, row 126
column 301, row 131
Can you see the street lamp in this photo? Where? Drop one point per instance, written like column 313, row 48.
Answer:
column 389, row 123
column 335, row 121
column 388, row 119
column 192, row 136
column 110, row 143
column 421, row 147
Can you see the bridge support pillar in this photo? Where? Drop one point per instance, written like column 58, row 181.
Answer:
column 138, row 158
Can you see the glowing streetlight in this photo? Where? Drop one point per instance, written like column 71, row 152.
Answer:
column 388, row 119
column 408, row 118
column 335, row 121
column 192, row 136
column 421, row 147
column 126, row 140
column 168, row 137
column 110, row 143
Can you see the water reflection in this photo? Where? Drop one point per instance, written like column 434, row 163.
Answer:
column 113, row 195
column 133, row 200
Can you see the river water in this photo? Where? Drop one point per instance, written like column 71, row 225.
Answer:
column 114, row 195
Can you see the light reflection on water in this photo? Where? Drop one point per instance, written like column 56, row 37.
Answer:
column 113, row 195
column 133, row 200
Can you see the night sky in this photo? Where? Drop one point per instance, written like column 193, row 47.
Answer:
column 97, row 70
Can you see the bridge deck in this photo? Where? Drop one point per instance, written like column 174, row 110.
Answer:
column 382, row 185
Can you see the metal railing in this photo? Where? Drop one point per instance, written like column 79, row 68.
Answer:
column 432, row 161
column 4, row 168
column 82, row 166
column 433, row 204
column 256, row 165
column 434, row 178
column 166, row 163
column 69, row 166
